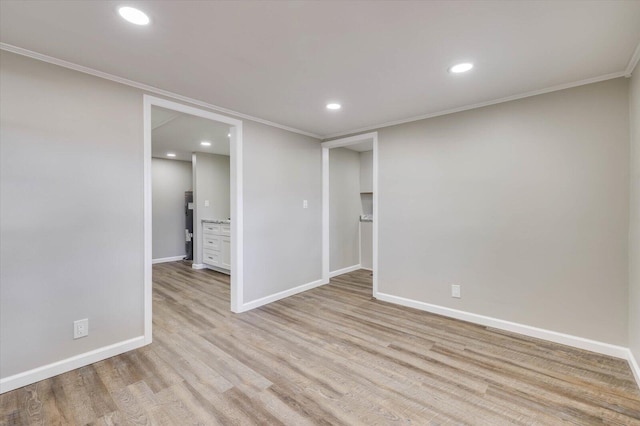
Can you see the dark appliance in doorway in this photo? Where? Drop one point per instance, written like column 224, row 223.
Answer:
column 188, row 228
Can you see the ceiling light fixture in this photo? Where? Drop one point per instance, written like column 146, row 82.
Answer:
column 334, row 106
column 464, row 67
column 228, row 135
column 205, row 143
column 171, row 154
column 134, row 15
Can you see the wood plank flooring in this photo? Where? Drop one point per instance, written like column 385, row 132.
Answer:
column 332, row 355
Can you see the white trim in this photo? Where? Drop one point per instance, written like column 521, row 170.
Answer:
column 237, row 216
column 32, row 376
column 198, row 266
column 167, row 259
column 351, row 140
column 145, row 87
column 237, row 222
column 366, row 269
column 147, row 227
column 376, row 216
column 552, row 336
column 344, row 270
column 633, row 364
column 281, row 295
column 76, row 67
column 483, row 104
column 326, row 146
column 325, row 215
column 633, row 61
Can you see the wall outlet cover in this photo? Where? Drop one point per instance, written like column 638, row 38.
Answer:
column 81, row 328
column 455, row 291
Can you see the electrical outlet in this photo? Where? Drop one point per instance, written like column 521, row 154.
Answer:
column 206, row 203
column 81, row 328
column 305, row 204
column 455, row 291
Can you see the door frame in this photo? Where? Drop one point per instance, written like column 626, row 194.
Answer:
column 339, row 143
column 237, row 249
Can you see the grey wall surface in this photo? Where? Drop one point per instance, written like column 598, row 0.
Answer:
column 634, row 231
column 366, row 171
column 71, row 221
column 211, row 176
column 170, row 180
column 344, row 208
column 71, row 213
column 366, row 245
column 366, row 228
column 282, row 241
column 524, row 204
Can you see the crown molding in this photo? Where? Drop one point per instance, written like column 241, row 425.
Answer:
column 146, row 88
column 633, row 61
column 481, row 104
column 70, row 65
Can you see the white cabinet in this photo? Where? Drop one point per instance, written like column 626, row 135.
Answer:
column 216, row 246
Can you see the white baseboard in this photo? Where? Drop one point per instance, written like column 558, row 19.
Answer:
column 281, row 295
column 198, row 266
column 46, row 371
column 635, row 368
column 168, row 259
column 344, row 270
column 366, row 269
column 552, row 336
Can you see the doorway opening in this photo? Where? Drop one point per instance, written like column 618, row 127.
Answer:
column 359, row 195
column 214, row 210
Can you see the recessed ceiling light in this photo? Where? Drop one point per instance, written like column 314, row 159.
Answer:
column 205, row 143
column 334, row 106
column 464, row 67
column 171, row 154
column 228, row 135
column 134, row 15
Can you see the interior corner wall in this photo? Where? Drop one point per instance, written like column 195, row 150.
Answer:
column 169, row 180
column 634, row 222
column 344, row 208
column 212, row 180
column 525, row 204
column 71, row 213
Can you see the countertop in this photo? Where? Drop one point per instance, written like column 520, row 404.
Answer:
column 366, row 218
column 219, row 221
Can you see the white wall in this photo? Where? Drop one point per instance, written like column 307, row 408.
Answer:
column 71, row 219
column 634, row 231
column 344, row 208
column 212, row 180
column 170, row 180
column 524, row 204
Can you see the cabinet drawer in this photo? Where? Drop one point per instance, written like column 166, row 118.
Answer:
column 211, row 257
column 211, row 242
column 211, row 228
column 225, row 230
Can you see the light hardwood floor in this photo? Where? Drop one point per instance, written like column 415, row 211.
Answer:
column 332, row 355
